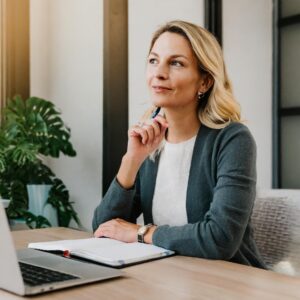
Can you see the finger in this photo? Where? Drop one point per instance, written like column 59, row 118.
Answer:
column 136, row 131
column 162, row 121
column 98, row 232
column 133, row 134
column 163, row 132
column 133, row 131
column 108, row 227
column 161, row 136
column 156, row 127
column 143, row 134
column 104, row 232
column 150, row 133
column 103, row 226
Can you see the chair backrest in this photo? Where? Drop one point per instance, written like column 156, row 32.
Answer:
column 276, row 223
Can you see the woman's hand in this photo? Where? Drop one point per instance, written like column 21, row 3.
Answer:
column 144, row 138
column 121, row 230
column 118, row 229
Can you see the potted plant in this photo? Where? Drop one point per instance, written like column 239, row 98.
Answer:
column 30, row 131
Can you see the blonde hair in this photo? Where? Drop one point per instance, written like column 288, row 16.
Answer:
column 218, row 108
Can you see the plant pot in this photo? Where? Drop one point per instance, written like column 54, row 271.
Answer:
column 37, row 202
column 4, row 202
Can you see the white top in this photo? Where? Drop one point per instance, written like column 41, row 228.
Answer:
column 169, row 200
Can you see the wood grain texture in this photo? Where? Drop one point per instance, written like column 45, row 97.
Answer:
column 176, row 277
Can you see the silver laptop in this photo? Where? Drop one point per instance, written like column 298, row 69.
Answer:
column 29, row 271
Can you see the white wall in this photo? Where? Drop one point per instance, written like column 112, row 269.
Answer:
column 247, row 44
column 66, row 68
column 145, row 16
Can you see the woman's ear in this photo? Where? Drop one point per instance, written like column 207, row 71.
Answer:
column 206, row 83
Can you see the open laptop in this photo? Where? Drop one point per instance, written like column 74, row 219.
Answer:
column 29, row 271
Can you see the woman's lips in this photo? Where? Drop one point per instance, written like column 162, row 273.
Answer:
column 160, row 88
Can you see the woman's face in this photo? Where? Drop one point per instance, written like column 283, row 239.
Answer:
column 173, row 78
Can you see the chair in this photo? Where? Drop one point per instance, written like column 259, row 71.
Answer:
column 276, row 223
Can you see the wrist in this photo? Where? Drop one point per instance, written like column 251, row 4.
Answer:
column 134, row 160
column 148, row 236
column 128, row 170
column 142, row 230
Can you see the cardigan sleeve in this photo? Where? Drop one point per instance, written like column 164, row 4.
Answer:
column 118, row 203
column 219, row 235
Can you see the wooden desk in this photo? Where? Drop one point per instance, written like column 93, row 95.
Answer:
column 176, row 277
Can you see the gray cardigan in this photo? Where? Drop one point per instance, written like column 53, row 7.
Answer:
column 219, row 201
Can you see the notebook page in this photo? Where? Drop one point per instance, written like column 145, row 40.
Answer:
column 71, row 245
column 105, row 250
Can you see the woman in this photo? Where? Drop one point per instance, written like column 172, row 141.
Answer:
column 190, row 171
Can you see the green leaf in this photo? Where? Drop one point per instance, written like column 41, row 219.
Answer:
column 33, row 221
column 24, row 153
column 31, row 129
column 17, row 193
column 59, row 198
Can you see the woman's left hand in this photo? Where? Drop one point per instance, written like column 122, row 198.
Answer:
column 118, row 229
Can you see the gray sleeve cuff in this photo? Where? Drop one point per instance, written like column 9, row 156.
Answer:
column 117, row 203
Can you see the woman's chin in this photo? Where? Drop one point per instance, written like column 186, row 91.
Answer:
column 158, row 102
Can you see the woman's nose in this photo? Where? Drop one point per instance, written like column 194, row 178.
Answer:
column 161, row 71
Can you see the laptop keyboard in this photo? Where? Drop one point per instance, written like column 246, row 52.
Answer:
column 33, row 275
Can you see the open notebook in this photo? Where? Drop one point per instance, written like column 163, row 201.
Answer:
column 105, row 251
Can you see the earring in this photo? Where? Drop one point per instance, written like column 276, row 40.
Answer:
column 200, row 95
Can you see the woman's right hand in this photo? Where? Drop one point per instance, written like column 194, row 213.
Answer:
column 145, row 138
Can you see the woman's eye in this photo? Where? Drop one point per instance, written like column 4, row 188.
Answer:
column 176, row 63
column 152, row 61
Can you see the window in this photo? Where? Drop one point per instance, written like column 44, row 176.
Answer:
column 286, row 92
